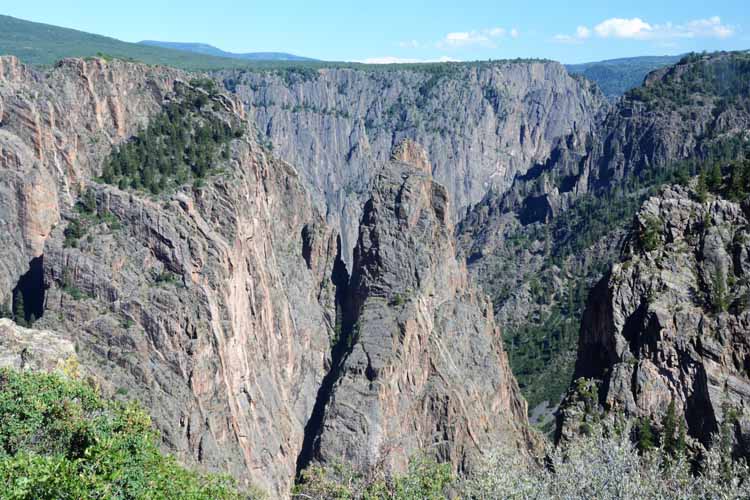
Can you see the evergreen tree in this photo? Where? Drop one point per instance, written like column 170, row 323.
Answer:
column 645, row 436
column 669, row 428
column 19, row 309
column 702, row 187
column 88, row 201
column 714, row 178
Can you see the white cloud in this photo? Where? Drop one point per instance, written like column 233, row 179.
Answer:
column 483, row 38
column 710, row 27
column 582, row 32
column 409, row 44
column 403, row 60
column 638, row 29
column 623, row 28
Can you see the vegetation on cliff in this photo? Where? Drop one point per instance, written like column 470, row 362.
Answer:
column 724, row 76
column 181, row 143
column 617, row 76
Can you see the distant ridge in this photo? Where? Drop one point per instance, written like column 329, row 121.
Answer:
column 45, row 44
column 617, row 76
column 206, row 49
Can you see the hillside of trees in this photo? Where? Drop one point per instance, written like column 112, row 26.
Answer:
column 184, row 142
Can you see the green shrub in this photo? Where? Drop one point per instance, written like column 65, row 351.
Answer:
column 60, row 440
column 650, row 234
column 425, row 480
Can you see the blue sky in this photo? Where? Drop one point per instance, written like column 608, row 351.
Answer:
column 388, row 30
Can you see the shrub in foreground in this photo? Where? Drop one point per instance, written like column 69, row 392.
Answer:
column 601, row 465
column 60, row 440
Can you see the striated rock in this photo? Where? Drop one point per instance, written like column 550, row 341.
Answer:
column 210, row 307
column 521, row 236
column 55, row 129
column 226, row 307
column 671, row 322
column 481, row 125
column 421, row 360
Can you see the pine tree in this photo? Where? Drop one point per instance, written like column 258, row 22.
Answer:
column 89, row 201
column 19, row 309
column 702, row 187
column 714, row 178
column 645, row 436
column 669, row 427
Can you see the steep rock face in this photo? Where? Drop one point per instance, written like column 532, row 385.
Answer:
column 226, row 307
column 213, row 307
column 682, row 111
column 423, row 366
column 481, row 125
column 556, row 229
column 670, row 321
column 54, row 130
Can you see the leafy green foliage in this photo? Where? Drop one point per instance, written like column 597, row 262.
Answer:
column 183, row 142
column 59, row 439
column 425, row 479
column 645, row 435
column 650, row 234
column 87, row 216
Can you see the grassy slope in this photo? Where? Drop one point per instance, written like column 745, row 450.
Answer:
column 44, row 44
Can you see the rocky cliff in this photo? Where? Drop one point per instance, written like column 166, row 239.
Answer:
column 55, row 128
column 670, row 321
column 224, row 305
column 537, row 246
column 481, row 124
column 422, row 364
column 213, row 306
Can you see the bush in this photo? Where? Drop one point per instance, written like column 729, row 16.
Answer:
column 60, row 440
column 603, row 465
column 650, row 234
column 425, row 479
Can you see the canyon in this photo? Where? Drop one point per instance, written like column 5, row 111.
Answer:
column 362, row 271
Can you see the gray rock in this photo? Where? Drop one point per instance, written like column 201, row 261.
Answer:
column 672, row 323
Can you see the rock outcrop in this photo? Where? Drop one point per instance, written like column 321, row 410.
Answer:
column 225, row 306
column 481, row 125
column 33, row 349
column 557, row 228
column 213, row 306
column 422, row 367
column 55, row 129
column 670, row 322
